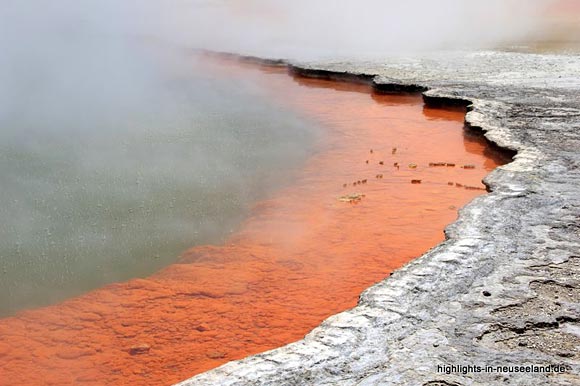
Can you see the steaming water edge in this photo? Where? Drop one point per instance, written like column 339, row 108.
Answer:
column 108, row 194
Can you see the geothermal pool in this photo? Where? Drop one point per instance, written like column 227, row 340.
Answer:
column 110, row 192
column 345, row 186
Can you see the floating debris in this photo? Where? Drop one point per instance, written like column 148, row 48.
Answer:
column 139, row 349
column 452, row 165
column 412, row 166
column 371, row 151
column 367, row 161
column 364, row 181
column 450, row 183
column 459, row 185
column 468, row 166
column 381, row 163
column 473, row 187
column 394, row 150
column 351, row 198
column 202, row 328
column 437, row 164
column 344, row 185
column 452, row 207
column 415, row 181
column 379, row 176
column 215, row 355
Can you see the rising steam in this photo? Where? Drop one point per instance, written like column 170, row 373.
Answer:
column 347, row 28
column 103, row 115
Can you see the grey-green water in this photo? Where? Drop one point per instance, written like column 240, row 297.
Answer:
column 101, row 189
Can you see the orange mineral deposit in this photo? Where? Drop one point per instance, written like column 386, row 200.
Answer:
column 301, row 256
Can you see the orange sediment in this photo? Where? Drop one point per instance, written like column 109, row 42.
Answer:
column 302, row 255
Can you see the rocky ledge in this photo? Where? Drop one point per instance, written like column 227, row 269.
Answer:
column 503, row 289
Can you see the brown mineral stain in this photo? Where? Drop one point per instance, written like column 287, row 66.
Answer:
column 300, row 257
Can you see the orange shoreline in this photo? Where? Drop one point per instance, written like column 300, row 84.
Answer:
column 302, row 256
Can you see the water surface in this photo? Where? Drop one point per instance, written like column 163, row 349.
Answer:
column 300, row 256
column 98, row 190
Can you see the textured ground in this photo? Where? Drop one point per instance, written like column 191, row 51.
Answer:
column 504, row 289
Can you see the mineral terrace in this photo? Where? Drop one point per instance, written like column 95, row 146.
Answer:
column 503, row 289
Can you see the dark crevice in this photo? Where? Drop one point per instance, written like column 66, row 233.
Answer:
column 441, row 383
column 330, row 75
column 493, row 150
column 501, row 154
column 441, row 102
column 397, row 88
column 529, row 327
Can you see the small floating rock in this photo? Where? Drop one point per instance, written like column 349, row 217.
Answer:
column 355, row 197
column 139, row 349
column 473, row 187
column 216, row 355
column 415, row 181
column 381, row 163
column 202, row 328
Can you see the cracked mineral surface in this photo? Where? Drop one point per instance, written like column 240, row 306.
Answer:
column 502, row 290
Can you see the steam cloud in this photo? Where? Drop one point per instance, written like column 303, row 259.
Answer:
column 79, row 78
column 344, row 28
column 55, row 43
